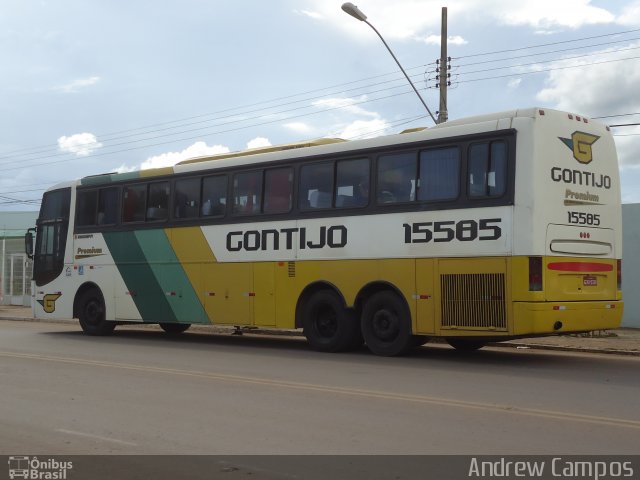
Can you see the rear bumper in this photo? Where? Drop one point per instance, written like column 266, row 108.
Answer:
column 539, row 318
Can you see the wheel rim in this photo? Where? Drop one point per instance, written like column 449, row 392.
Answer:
column 385, row 325
column 325, row 321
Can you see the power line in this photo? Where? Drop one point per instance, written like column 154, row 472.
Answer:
column 618, row 115
column 547, row 44
column 546, row 70
column 548, row 52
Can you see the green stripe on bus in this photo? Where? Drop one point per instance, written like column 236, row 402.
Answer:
column 139, row 277
column 172, row 277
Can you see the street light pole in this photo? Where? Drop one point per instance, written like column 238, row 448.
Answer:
column 355, row 12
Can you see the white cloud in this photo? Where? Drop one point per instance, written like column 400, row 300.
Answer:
column 298, row 127
column 346, row 105
column 595, row 89
column 451, row 40
column 169, row 159
column 630, row 14
column 81, row 144
column 514, row 83
column 598, row 90
column 78, row 84
column 258, row 142
column 413, row 19
column 628, row 146
column 364, row 129
column 125, row 169
column 551, row 13
column 310, row 14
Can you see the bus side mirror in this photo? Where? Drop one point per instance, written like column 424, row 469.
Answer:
column 28, row 243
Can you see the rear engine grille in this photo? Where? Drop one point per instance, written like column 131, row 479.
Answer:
column 473, row 300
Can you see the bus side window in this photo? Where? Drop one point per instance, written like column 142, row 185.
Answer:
column 316, row 186
column 487, row 169
column 214, row 196
column 134, row 203
column 186, row 201
column 396, row 178
column 439, row 174
column 278, row 190
column 247, row 193
column 158, row 201
column 108, row 206
column 86, row 207
column 352, row 183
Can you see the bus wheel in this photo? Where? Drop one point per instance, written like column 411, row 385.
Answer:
column 386, row 325
column 328, row 325
column 465, row 344
column 92, row 313
column 174, row 328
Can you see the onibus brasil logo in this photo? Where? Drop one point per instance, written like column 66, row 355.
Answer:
column 35, row 469
column 580, row 143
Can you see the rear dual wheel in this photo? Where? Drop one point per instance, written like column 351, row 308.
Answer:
column 386, row 325
column 328, row 325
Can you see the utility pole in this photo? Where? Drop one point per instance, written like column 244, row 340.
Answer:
column 444, row 69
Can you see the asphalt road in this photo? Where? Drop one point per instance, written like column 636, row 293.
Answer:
column 143, row 392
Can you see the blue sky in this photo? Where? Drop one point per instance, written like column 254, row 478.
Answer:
column 105, row 85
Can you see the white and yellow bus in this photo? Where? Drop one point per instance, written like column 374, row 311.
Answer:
column 482, row 229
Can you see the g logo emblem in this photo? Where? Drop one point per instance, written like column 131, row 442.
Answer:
column 48, row 302
column 580, row 143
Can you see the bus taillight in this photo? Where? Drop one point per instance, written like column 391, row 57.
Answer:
column 619, row 274
column 535, row 274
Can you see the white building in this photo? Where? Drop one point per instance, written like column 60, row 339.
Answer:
column 631, row 264
column 15, row 267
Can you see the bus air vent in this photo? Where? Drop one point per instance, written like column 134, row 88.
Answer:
column 292, row 269
column 473, row 301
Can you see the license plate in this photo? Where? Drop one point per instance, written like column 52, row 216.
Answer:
column 590, row 281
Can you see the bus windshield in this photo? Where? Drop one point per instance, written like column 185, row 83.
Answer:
column 51, row 237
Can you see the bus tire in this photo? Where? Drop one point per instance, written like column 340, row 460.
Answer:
column 465, row 344
column 386, row 324
column 91, row 314
column 174, row 328
column 328, row 325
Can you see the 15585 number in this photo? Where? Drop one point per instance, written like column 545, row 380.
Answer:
column 582, row 218
column 446, row 231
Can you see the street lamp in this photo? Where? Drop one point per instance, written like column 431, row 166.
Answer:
column 355, row 12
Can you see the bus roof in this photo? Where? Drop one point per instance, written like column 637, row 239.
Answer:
column 462, row 126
